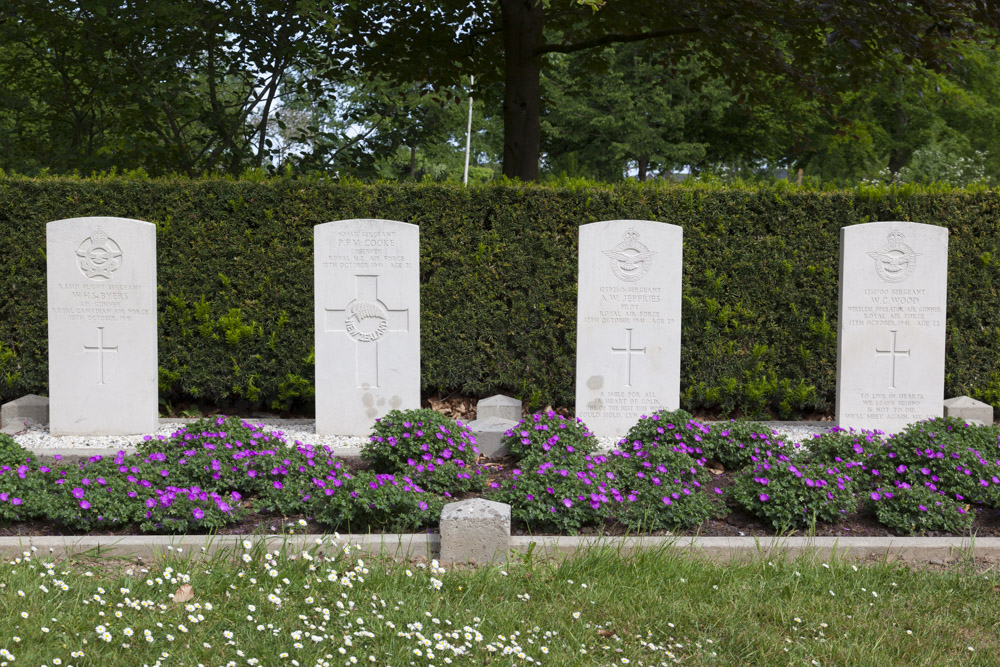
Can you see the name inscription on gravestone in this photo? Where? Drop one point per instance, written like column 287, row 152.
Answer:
column 367, row 323
column 628, row 323
column 892, row 330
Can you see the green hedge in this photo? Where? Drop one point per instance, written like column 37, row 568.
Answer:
column 498, row 292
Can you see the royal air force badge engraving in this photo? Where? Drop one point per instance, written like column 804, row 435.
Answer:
column 630, row 259
column 897, row 261
column 99, row 256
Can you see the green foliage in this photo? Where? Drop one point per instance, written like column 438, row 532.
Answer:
column 545, row 436
column 918, row 510
column 668, row 431
column 562, row 496
column 498, row 276
column 389, row 504
column 11, row 453
column 742, row 443
column 947, row 454
column 787, row 495
column 662, row 489
column 838, row 446
column 438, row 453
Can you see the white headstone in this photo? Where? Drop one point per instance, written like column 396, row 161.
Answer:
column 890, row 352
column 102, row 326
column 367, row 278
column 628, row 340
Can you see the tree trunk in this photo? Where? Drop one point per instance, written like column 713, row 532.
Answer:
column 523, row 21
column 643, row 167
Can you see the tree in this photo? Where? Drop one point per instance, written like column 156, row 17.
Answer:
column 170, row 85
column 924, row 126
column 823, row 47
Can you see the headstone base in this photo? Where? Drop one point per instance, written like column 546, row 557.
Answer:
column 31, row 408
column 501, row 406
column 969, row 409
column 489, row 435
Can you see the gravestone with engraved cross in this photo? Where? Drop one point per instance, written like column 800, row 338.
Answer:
column 890, row 352
column 628, row 340
column 367, row 281
column 102, row 326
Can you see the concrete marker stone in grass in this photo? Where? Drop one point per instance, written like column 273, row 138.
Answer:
column 101, row 275
column 367, row 304
column 891, row 337
column 475, row 531
column 628, row 349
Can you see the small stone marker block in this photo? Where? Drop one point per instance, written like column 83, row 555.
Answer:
column 101, row 287
column 501, row 406
column 31, row 408
column 891, row 337
column 367, row 300
column 489, row 435
column 476, row 531
column 969, row 409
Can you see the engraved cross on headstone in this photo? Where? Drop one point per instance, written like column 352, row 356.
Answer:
column 893, row 353
column 100, row 349
column 365, row 320
column 628, row 351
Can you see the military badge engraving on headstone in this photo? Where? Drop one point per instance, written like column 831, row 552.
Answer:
column 897, row 262
column 630, row 259
column 99, row 256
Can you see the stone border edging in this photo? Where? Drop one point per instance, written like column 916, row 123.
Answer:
column 424, row 546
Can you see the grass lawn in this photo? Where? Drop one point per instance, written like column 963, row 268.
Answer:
column 335, row 606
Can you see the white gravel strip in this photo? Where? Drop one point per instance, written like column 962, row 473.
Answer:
column 39, row 438
column 304, row 431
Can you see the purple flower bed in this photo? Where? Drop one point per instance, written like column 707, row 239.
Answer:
column 933, row 477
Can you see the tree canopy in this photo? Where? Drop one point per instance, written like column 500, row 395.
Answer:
column 378, row 88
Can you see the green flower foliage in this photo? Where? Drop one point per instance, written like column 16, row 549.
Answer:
column 662, row 489
column 918, row 510
column 741, row 443
column 562, row 495
column 437, row 452
column 839, row 446
column 547, row 435
column 787, row 495
column 947, row 454
column 670, row 431
column 367, row 501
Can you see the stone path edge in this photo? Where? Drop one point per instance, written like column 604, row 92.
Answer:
column 152, row 548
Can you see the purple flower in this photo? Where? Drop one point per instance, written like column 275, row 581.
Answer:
column 876, row 495
column 198, row 513
column 83, row 503
column 78, row 493
column 567, row 502
column 764, row 497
